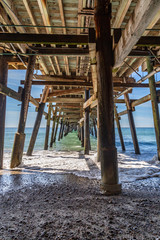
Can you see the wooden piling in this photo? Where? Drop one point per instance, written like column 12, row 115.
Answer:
column 119, row 128
column 36, row 128
column 86, row 125
column 47, row 127
column 154, row 102
column 82, row 136
column 95, row 129
column 132, row 124
column 53, row 128
column 19, row 140
column 107, row 150
column 60, row 131
column 57, row 124
column 3, row 81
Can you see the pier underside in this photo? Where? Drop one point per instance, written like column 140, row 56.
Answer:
column 86, row 52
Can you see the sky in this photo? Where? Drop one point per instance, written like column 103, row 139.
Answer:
column 142, row 116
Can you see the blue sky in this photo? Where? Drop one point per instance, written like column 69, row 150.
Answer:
column 142, row 115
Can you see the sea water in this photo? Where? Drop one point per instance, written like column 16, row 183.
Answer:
column 146, row 138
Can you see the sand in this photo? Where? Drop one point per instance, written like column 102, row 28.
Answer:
column 56, row 195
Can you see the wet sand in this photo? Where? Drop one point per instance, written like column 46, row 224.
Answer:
column 39, row 203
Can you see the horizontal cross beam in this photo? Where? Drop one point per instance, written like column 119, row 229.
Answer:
column 58, row 39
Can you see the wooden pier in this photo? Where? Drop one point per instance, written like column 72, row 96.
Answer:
column 86, row 56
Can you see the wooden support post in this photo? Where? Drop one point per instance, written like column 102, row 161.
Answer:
column 95, row 129
column 132, row 124
column 47, row 127
column 119, row 128
column 86, row 125
column 154, row 102
column 55, row 133
column 36, row 129
column 60, row 131
column 79, row 132
column 53, row 128
column 19, row 140
column 3, row 81
column 82, row 136
column 107, row 150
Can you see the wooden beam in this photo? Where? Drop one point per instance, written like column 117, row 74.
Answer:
column 72, row 52
column 132, row 124
column 66, row 92
column 119, row 128
column 60, row 83
column 9, row 92
column 139, row 85
column 65, row 100
column 58, row 39
column 89, row 101
column 142, row 16
column 36, row 129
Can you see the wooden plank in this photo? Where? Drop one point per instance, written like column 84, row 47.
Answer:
column 142, row 16
column 122, row 10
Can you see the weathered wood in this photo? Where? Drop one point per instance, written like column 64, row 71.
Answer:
column 3, row 82
column 36, row 129
column 107, row 150
column 132, row 124
column 142, row 16
column 86, row 125
column 47, row 127
column 9, row 92
column 155, row 108
column 17, row 151
column 119, row 128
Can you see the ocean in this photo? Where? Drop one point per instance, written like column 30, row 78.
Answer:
column 146, row 138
